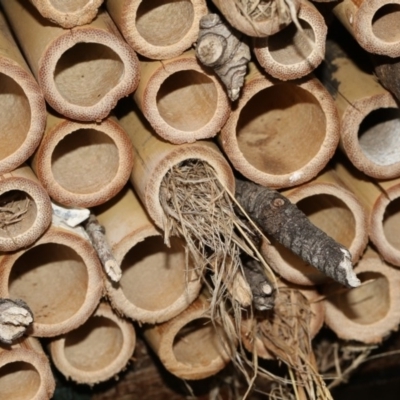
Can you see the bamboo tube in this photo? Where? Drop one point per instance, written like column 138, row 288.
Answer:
column 158, row 29
column 155, row 285
column 70, row 13
column 97, row 350
column 25, row 209
column 333, row 208
column 22, row 106
column 59, row 277
column 181, row 100
column 270, row 21
column 83, row 164
column 290, row 53
column 370, row 312
column 25, row 372
column 253, row 343
column 369, row 115
column 82, row 72
column 190, row 346
column 374, row 24
column 281, row 134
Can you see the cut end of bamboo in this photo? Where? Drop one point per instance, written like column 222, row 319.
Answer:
column 84, row 165
column 96, row 351
column 59, row 278
column 158, row 29
column 68, row 13
column 182, row 102
column 291, row 53
column 281, row 134
column 67, row 79
column 376, row 27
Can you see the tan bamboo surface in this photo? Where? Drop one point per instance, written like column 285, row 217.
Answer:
column 370, row 312
column 182, row 101
column 290, row 53
column 158, row 29
column 190, row 346
column 22, row 106
column 381, row 201
column 68, row 13
column 254, row 344
column 268, row 24
column 281, row 134
column 96, row 351
column 25, row 209
column 154, row 286
column 83, row 164
column 374, row 24
column 83, row 71
column 25, row 371
column 59, row 277
column 332, row 207
column 369, row 116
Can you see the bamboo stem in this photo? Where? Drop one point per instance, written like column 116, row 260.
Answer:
column 25, row 372
column 22, row 106
column 82, row 72
column 83, row 164
column 332, row 207
column 155, row 285
column 370, row 312
column 182, row 101
column 59, row 277
column 68, row 13
column 374, row 24
column 190, row 346
column 281, row 134
column 96, row 351
column 158, row 29
column 25, row 209
column 291, row 53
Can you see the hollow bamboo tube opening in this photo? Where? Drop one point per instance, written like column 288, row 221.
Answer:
column 291, row 53
column 281, row 134
column 83, row 165
column 59, row 278
column 182, row 102
column 385, row 23
column 370, row 312
column 97, row 350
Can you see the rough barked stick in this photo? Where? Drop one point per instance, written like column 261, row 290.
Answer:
column 284, row 222
column 97, row 236
column 15, row 318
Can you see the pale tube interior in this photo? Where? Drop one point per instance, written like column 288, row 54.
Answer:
column 281, row 129
column 85, row 161
column 385, row 23
column 19, row 380
column 368, row 303
column 187, row 100
column 154, row 275
column 164, row 23
column 391, row 223
column 52, row 279
column 199, row 343
column 15, row 116
column 379, row 136
column 94, row 345
column 69, row 6
column 18, row 212
column 331, row 215
column 290, row 46
column 87, row 72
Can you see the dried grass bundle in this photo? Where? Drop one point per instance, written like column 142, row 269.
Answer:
column 13, row 207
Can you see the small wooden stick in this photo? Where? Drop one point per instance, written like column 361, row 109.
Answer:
column 15, row 317
column 281, row 219
column 97, row 236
